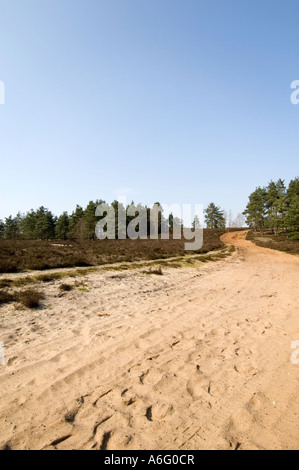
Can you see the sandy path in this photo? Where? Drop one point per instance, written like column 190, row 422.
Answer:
column 194, row 359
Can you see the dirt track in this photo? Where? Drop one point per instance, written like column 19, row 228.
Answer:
column 194, row 359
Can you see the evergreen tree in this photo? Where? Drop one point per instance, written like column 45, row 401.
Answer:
column 292, row 192
column 74, row 219
column 29, row 226
column 13, row 228
column 2, row 226
column 80, row 232
column 256, row 210
column 90, row 218
column 62, row 227
column 196, row 223
column 274, row 207
column 45, row 224
column 214, row 217
column 292, row 217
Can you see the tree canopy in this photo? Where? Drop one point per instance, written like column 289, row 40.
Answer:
column 274, row 207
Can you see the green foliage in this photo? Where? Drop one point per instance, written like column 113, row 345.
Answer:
column 12, row 228
column 214, row 217
column 256, row 210
column 62, row 227
column 2, row 227
column 274, row 207
column 44, row 225
column 76, row 216
column 292, row 217
column 196, row 223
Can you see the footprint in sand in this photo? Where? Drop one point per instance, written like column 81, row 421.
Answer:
column 159, row 411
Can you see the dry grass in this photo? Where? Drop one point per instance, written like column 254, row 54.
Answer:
column 4, row 283
column 20, row 255
column 30, row 298
column 6, row 297
column 154, row 271
column 279, row 242
column 66, row 287
column 49, row 277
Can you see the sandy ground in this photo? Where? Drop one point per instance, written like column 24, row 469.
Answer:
column 195, row 359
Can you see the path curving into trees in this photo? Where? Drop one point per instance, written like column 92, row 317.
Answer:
column 199, row 358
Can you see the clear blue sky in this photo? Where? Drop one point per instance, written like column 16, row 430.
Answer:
column 177, row 101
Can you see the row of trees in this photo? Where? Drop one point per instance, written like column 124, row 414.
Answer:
column 275, row 208
column 43, row 225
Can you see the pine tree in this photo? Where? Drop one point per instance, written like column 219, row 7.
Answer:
column 45, row 224
column 196, row 223
column 74, row 219
column 214, row 217
column 256, row 210
column 12, row 228
column 62, row 227
column 90, row 218
column 292, row 217
column 29, row 226
column 292, row 203
column 2, row 226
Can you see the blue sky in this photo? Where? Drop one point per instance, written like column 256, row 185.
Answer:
column 177, row 101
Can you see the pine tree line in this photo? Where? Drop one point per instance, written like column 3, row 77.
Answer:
column 275, row 208
column 42, row 224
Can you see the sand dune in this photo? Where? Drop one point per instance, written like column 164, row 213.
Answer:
column 196, row 359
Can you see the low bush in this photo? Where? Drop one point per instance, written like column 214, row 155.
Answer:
column 66, row 287
column 30, row 298
column 6, row 297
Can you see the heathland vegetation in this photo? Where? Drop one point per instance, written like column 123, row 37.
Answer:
column 20, row 255
column 38, row 240
column 275, row 208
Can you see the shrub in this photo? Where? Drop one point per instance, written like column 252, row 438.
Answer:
column 5, row 283
column 20, row 255
column 49, row 277
column 293, row 236
column 30, row 298
column 65, row 287
column 8, row 266
column 6, row 297
column 156, row 272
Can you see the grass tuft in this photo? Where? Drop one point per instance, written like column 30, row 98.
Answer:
column 154, row 271
column 30, row 298
column 6, row 297
column 66, row 287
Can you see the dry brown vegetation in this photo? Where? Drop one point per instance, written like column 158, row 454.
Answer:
column 30, row 298
column 276, row 242
column 20, row 255
column 6, row 297
column 66, row 287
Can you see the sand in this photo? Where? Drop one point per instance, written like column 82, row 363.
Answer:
column 199, row 358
